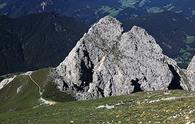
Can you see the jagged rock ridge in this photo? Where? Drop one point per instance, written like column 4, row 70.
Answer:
column 107, row 61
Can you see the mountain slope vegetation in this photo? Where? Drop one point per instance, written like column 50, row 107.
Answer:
column 91, row 10
column 36, row 41
column 23, row 91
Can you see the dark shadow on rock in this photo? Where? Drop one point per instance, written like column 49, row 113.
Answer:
column 175, row 83
column 137, row 86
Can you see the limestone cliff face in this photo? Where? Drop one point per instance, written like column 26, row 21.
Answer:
column 107, row 61
column 190, row 72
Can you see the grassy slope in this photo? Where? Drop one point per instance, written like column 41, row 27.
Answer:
column 10, row 100
column 28, row 96
column 142, row 107
column 151, row 107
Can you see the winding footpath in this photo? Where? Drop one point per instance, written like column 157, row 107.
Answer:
column 39, row 88
column 42, row 100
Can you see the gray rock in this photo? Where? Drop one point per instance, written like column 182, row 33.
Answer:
column 107, row 62
column 190, row 72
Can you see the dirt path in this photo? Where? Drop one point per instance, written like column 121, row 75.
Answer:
column 39, row 88
column 42, row 100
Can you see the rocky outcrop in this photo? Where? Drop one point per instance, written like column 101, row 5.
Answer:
column 190, row 72
column 107, row 62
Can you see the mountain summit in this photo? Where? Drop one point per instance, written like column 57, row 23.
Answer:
column 107, row 61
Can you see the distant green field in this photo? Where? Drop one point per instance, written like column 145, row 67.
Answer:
column 155, row 10
column 128, row 3
column 111, row 11
column 189, row 39
column 173, row 107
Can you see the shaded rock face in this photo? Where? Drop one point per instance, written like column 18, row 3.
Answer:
column 107, row 62
column 191, row 73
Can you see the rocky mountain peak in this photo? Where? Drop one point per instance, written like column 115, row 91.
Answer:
column 107, row 31
column 107, row 61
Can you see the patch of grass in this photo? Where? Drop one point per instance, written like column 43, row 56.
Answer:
column 111, row 11
column 189, row 39
column 51, row 92
column 41, row 76
column 27, row 97
column 124, row 4
column 128, row 3
column 144, row 107
column 22, row 93
column 155, row 10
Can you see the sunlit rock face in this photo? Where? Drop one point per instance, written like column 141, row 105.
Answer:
column 191, row 73
column 107, row 62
